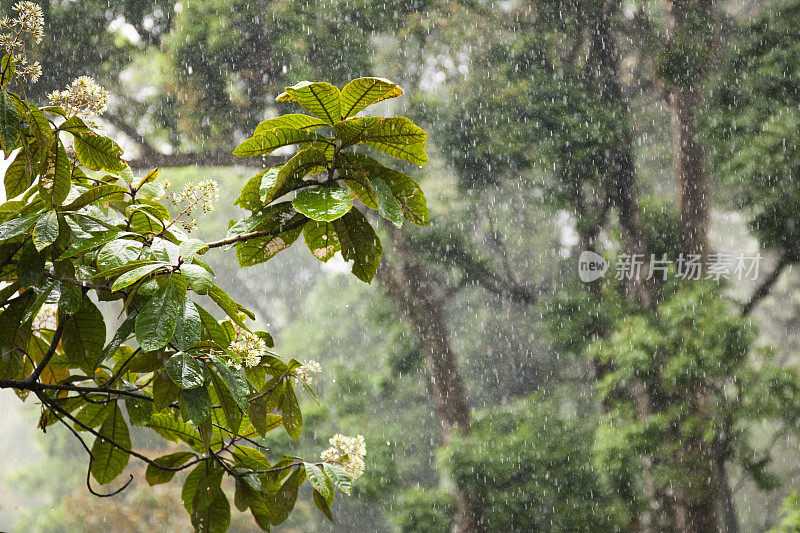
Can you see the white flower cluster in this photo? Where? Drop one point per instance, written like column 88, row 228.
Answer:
column 46, row 318
column 203, row 195
column 348, row 452
column 29, row 23
column 247, row 348
column 84, row 98
column 305, row 373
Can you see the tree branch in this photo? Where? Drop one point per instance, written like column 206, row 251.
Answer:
column 48, row 356
column 762, row 291
column 256, row 234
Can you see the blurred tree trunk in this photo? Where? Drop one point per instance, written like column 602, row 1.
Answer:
column 684, row 95
column 701, row 503
column 604, row 53
column 408, row 286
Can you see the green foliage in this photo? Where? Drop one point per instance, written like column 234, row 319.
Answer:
column 695, row 353
column 551, row 486
column 340, row 177
column 790, row 523
column 753, row 125
column 83, row 235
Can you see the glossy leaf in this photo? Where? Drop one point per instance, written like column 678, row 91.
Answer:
column 321, row 239
column 291, row 120
column 267, row 141
column 108, row 460
column 157, row 320
column 84, row 336
column 359, row 244
column 363, row 92
column 322, row 99
column 45, row 232
column 323, row 203
column 184, row 371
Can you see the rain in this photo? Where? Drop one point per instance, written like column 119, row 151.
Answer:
column 405, row 266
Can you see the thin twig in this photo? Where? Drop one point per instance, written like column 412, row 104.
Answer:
column 49, row 355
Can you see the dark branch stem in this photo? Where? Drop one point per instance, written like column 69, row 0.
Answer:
column 48, row 356
column 762, row 291
column 35, row 386
column 255, row 234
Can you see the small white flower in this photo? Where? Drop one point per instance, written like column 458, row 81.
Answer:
column 305, row 373
column 348, row 452
column 83, row 98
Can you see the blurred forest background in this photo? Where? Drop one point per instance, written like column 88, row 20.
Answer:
column 555, row 126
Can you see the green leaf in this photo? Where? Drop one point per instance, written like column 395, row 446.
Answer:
column 291, row 120
column 405, row 190
column 118, row 253
column 70, row 300
column 189, row 329
column 226, row 303
column 19, row 176
column 174, row 430
column 319, row 480
column 18, row 225
column 260, row 249
column 9, row 123
column 189, row 248
column 359, row 183
column 322, row 99
column 388, row 207
column 108, row 460
column 84, row 336
column 85, row 245
column 134, row 275
column 363, row 92
column 268, row 141
column 94, row 194
column 236, row 383
column 197, row 403
column 338, row 477
column 233, row 414
column 290, row 175
column 45, row 232
column 321, row 239
column 121, row 335
column 139, row 410
column 323, row 203
column 359, row 243
column 322, row 505
column 30, row 267
column 99, row 153
column 157, row 320
column 290, row 410
column 200, row 280
column 184, row 371
column 14, row 336
column 281, row 505
column 396, row 136
column 150, row 177
column 212, row 330
column 263, row 421
column 250, row 198
column 56, row 181
column 157, row 476
column 216, row 518
column 92, row 415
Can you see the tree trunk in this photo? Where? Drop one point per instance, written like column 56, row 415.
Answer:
column 698, row 502
column 624, row 196
column 684, row 97
column 408, row 286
